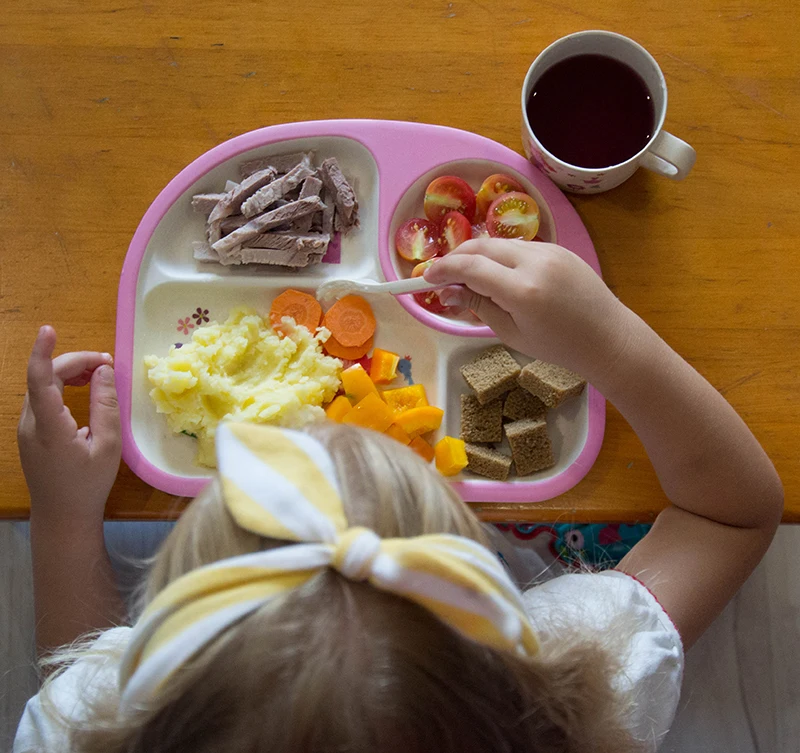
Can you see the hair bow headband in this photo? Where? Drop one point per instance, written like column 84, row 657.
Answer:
column 282, row 484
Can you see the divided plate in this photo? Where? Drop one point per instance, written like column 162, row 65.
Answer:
column 164, row 293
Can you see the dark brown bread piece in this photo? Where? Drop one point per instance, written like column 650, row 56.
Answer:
column 487, row 462
column 520, row 403
column 550, row 383
column 492, row 373
column 530, row 445
column 481, row 423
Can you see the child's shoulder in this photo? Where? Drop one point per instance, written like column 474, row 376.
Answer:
column 625, row 618
column 91, row 675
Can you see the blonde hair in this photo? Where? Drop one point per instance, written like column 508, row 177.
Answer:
column 338, row 665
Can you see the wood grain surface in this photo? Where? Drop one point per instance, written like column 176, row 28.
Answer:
column 102, row 103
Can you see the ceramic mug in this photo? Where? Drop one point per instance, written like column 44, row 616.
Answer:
column 664, row 153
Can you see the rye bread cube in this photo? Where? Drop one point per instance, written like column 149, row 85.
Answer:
column 520, row 403
column 492, row 373
column 488, row 462
column 481, row 423
column 550, row 383
column 530, row 445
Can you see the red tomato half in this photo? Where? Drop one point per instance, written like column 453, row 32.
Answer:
column 417, row 240
column 455, row 230
column 429, row 299
column 449, row 194
column 494, row 186
column 513, row 215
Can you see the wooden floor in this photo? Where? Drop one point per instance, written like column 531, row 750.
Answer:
column 741, row 692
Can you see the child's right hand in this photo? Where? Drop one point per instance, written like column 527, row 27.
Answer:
column 539, row 298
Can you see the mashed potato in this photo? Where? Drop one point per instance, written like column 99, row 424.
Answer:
column 242, row 371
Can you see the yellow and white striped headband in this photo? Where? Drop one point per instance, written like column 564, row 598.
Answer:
column 282, row 484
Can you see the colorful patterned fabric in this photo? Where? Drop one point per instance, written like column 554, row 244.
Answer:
column 594, row 545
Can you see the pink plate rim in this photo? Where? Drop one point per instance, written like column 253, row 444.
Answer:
column 440, row 145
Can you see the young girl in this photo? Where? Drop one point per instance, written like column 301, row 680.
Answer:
column 328, row 592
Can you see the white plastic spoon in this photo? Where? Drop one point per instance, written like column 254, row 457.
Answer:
column 335, row 289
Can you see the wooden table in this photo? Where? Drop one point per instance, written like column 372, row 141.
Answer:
column 102, row 103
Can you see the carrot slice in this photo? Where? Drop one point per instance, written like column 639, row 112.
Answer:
column 334, row 348
column 350, row 321
column 302, row 307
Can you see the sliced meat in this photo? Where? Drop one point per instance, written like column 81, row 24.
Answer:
column 232, row 202
column 235, row 221
column 290, row 241
column 204, row 203
column 282, row 163
column 267, row 221
column 277, row 257
column 275, row 190
column 343, row 195
column 311, row 187
column 214, row 231
column 204, row 252
column 327, row 213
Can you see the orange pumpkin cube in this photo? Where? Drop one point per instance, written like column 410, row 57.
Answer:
column 420, row 420
column 357, row 384
column 422, row 448
column 338, row 408
column 371, row 413
column 406, row 398
column 451, row 456
column 395, row 432
column 383, row 368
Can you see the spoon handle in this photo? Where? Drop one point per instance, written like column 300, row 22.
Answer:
column 411, row 285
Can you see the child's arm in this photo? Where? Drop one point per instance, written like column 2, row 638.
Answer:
column 69, row 471
column 726, row 497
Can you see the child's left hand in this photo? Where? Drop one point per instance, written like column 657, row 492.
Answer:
column 69, row 470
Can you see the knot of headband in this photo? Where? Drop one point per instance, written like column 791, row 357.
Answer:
column 282, row 484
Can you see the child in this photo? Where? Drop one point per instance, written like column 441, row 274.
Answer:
column 359, row 613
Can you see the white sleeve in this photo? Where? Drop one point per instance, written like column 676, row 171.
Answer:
column 68, row 693
column 652, row 666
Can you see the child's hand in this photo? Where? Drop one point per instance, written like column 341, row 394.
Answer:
column 539, row 298
column 69, row 470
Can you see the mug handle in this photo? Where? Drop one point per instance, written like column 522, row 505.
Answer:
column 668, row 155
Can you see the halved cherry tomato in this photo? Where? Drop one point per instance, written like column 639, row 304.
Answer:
column 417, row 240
column 494, row 186
column 455, row 230
column 449, row 194
column 429, row 299
column 513, row 215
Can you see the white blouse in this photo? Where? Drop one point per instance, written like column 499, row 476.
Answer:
column 650, row 675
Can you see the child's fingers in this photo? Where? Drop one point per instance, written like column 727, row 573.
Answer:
column 69, row 367
column 503, row 251
column 104, row 421
column 485, row 309
column 479, row 273
column 44, row 396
